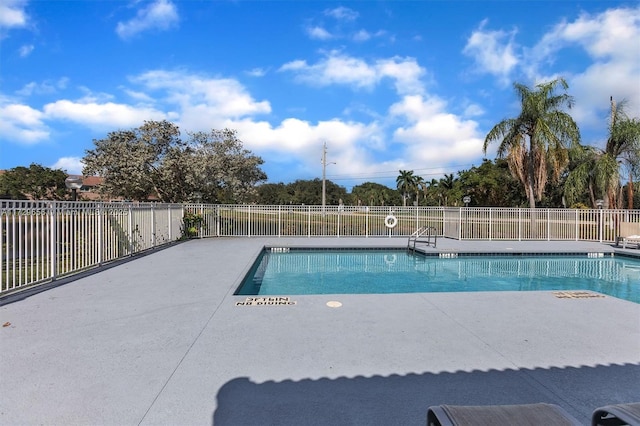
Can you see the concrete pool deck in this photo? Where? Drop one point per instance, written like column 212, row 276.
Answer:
column 160, row 340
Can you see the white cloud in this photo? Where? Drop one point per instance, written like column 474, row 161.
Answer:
column 362, row 35
column 22, row 124
column 12, row 14
column 492, row 51
column 159, row 15
column 201, row 98
column 434, row 136
column 337, row 68
column 350, row 143
column 257, row 72
column 25, row 50
column 72, row 165
column 342, row 13
column 473, row 110
column 318, row 33
column 45, row 87
column 611, row 40
column 101, row 116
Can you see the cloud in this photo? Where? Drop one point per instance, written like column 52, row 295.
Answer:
column 340, row 69
column 45, row 87
column 432, row 133
column 12, row 14
column 492, row 51
column 318, row 33
column 202, row 98
column 257, row 72
column 22, row 124
column 610, row 39
column 159, row 15
column 101, row 116
column 362, row 35
column 342, row 13
column 72, row 165
column 25, row 50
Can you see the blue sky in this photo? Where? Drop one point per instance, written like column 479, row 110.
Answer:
column 387, row 85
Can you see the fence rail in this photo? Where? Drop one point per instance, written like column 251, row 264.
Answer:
column 44, row 240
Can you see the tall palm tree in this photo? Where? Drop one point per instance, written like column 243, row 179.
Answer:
column 419, row 185
column 405, row 182
column 598, row 170
column 430, row 189
column 583, row 177
column 446, row 185
column 623, row 147
column 538, row 138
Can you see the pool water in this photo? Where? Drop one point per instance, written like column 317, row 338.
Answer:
column 396, row 271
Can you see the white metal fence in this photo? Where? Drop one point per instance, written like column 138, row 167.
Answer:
column 44, row 240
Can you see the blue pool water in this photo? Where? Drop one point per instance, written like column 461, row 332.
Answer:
column 396, row 271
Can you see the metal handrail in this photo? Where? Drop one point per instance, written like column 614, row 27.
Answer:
column 420, row 232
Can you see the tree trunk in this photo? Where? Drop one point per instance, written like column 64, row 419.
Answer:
column 630, row 191
column 531, row 174
column 530, row 190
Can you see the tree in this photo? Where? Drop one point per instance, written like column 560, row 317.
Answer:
column 225, row 171
column 431, row 192
column 273, row 193
column 536, row 142
column 597, row 171
column 153, row 160
column 405, row 183
column 582, row 181
column 491, row 184
column 374, row 194
column 419, row 185
column 34, row 182
column 445, row 185
column 622, row 148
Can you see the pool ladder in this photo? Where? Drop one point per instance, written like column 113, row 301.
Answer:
column 424, row 234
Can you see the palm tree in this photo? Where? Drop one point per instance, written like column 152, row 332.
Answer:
column 405, row 183
column 583, row 176
column 419, row 185
column 623, row 146
column 598, row 171
column 538, row 138
column 446, row 185
column 430, row 190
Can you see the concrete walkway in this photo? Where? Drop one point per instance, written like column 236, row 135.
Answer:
column 160, row 341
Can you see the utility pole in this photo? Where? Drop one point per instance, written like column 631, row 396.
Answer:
column 324, row 176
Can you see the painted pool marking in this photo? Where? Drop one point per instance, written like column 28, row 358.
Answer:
column 267, row 301
column 576, row 294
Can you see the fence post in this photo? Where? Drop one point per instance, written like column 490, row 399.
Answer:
column 153, row 225
column 366, row 224
column 130, row 225
column 100, row 236
column 600, row 224
column 519, row 223
column 548, row 225
column 53, row 218
column 490, row 224
column 279, row 221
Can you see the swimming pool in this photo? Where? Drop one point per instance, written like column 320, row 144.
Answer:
column 301, row 272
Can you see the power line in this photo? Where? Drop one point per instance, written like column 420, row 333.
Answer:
column 392, row 174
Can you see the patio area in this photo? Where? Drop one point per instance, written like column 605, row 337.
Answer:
column 159, row 340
